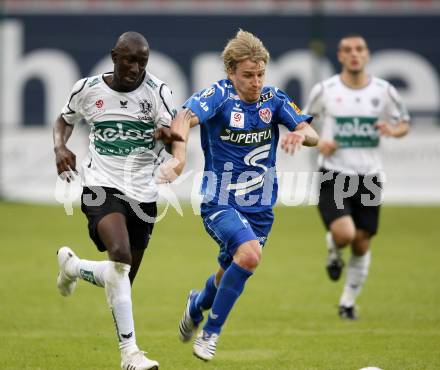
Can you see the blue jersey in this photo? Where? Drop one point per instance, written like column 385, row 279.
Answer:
column 239, row 141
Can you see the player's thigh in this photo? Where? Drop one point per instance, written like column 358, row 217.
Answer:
column 261, row 223
column 96, row 203
column 366, row 214
column 367, row 218
column 328, row 209
column 140, row 224
column 229, row 229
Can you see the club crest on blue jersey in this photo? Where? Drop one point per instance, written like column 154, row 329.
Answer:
column 265, row 115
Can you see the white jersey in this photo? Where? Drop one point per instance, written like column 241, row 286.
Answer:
column 348, row 116
column 123, row 152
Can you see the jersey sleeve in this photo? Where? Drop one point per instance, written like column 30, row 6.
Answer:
column 289, row 114
column 205, row 103
column 72, row 111
column 395, row 110
column 314, row 104
column 166, row 110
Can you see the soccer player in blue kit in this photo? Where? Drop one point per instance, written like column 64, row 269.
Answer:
column 239, row 120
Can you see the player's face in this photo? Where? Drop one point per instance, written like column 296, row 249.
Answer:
column 130, row 62
column 248, row 79
column 353, row 54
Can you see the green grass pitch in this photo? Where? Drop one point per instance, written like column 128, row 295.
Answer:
column 286, row 318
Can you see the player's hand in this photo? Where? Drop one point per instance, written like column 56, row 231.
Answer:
column 292, row 142
column 385, row 128
column 166, row 172
column 66, row 163
column 167, row 135
column 327, row 147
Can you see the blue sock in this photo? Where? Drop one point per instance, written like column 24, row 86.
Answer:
column 203, row 300
column 231, row 286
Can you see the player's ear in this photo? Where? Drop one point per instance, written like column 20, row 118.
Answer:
column 113, row 55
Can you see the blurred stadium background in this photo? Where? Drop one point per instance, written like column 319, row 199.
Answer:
column 49, row 44
column 287, row 318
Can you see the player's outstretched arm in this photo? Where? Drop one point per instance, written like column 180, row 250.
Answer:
column 65, row 159
column 311, row 137
column 166, row 135
column 184, row 120
column 398, row 130
column 181, row 124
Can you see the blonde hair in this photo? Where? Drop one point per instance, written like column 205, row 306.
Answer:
column 243, row 46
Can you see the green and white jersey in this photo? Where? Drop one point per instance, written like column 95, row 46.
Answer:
column 123, row 153
column 349, row 116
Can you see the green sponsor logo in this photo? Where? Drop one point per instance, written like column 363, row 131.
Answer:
column 87, row 276
column 122, row 137
column 151, row 83
column 356, row 132
column 94, row 82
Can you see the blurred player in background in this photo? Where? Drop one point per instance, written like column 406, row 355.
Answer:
column 355, row 110
column 239, row 120
column 128, row 111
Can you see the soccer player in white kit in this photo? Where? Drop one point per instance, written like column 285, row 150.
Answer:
column 128, row 111
column 355, row 110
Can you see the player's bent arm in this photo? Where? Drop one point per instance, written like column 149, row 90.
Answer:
column 65, row 159
column 311, row 137
column 61, row 132
column 397, row 130
column 327, row 147
column 401, row 129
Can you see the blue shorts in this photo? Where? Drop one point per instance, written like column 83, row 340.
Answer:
column 231, row 228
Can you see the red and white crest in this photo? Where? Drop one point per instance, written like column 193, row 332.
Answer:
column 237, row 120
column 265, row 115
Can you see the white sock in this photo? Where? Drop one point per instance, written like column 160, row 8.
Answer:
column 92, row 271
column 357, row 273
column 118, row 293
column 333, row 250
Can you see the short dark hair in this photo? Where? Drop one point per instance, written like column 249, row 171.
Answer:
column 349, row 36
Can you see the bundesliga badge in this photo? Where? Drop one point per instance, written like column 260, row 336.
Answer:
column 265, row 115
column 237, row 120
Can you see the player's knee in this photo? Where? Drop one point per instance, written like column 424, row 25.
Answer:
column 248, row 258
column 250, row 262
column 361, row 244
column 343, row 238
column 120, row 253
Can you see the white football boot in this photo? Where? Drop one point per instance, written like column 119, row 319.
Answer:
column 205, row 345
column 136, row 360
column 65, row 283
column 187, row 326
